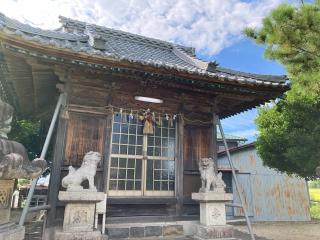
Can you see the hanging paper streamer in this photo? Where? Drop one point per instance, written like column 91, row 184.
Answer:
column 170, row 121
column 159, row 120
column 149, row 118
column 149, row 122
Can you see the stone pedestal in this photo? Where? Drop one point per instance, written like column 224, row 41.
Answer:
column 213, row 215
column 79, row 214
column 8, row 230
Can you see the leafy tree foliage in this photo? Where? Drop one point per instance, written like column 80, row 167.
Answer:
column 28, row 133
column 31, row 134
column 290, row 129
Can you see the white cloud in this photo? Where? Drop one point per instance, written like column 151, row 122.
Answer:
column 208, row 25
column 241, row 125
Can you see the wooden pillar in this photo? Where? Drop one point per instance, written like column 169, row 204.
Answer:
column 107, row 148
column 179, row 166
column 214, row 144
column 55, row 174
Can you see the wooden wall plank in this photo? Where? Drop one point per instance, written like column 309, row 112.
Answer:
column 197, row 144
column 85, row 133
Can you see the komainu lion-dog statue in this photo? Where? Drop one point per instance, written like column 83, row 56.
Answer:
column 14, row 160
column 210, row 181
column 87, row 171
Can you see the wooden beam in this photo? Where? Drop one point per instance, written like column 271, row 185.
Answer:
column 54, row 184
column 107, row 149
column 179, row 166
column 136, row 200
column 214, row 146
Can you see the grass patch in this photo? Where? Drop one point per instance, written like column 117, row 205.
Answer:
column 314, row 194
column 315, row 202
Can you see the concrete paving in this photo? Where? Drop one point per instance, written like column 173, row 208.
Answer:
column 281, row 231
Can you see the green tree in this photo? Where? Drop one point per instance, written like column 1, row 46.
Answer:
column 28, row 133
column 289, row 137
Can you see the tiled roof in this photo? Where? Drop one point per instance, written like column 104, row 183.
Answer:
column 118, row 45
column 238, row 148
column 230, row 137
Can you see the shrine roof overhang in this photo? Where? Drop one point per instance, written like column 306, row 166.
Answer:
column 78, row 44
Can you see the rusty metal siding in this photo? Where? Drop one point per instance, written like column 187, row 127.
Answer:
column 270, row 195
column 244, row 180
column 280, row 198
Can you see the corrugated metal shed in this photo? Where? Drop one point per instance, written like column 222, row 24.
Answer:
column 269, row 195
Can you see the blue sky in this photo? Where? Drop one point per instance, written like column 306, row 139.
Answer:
column 245, row 56
column 213, row 27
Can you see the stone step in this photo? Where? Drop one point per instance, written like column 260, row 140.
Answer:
column 144, row 231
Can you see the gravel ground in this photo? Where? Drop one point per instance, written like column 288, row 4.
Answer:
column 281, row 231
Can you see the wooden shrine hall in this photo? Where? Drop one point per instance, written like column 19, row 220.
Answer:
column 150, row 108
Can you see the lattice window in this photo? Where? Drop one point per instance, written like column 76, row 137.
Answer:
column 141, row 164
column 125, row 174
column 160, row 175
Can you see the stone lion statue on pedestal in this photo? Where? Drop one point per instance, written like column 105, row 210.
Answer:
column 210, row 181
column 87, row 171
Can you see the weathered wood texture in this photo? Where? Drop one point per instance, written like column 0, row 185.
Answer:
column 85, row 133
column 55, row 175
column 214, row 143
column 99, row 91
column 179, row 165
column 197, row 143
column 20, row 72
column 192, row 183
column 107, row 146
column 143, row 209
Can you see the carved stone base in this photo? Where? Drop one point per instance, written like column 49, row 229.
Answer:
column 11, row 231
column 212, row 207
column 6, row 190
column 213, row 232
column 94, row 235
column 78, row 217
column 79, row 212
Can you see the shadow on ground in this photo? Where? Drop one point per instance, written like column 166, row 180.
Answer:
column 245, row 236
